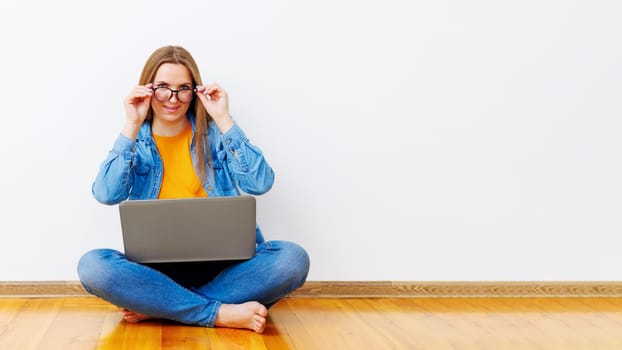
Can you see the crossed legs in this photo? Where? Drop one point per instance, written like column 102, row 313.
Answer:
column 238, row 296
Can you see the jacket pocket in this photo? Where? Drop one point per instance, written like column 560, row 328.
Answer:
column 221, row 174
column 142, row 173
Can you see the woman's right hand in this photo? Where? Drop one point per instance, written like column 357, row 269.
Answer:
column 137, row 105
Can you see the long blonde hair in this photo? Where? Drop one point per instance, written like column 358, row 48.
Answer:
column 179, row 55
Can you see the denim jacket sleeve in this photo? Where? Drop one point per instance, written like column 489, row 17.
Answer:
column 246, row 163
column 113, row 182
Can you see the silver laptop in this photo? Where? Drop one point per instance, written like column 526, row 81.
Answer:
column 193, row 229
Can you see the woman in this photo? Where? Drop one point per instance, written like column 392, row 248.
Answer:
column 179, row 141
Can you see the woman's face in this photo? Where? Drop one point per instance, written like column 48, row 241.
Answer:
column 175, row 77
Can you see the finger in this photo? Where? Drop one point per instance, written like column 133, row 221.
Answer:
column 203, row 98
column 139, row 94
column 215, row 91
column 141, row 91
column 213, row 87
column 148, row 89
column 200, row 88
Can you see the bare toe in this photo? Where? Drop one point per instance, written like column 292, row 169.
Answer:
column 134, row 317
column 250, row 315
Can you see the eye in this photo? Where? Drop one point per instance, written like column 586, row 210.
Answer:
column 185, row 87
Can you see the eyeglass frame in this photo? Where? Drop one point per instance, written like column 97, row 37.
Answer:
column 173, row 92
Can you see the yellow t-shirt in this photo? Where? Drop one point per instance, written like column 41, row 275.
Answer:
column 179, row 180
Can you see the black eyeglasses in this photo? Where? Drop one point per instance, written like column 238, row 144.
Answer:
column 163, row 94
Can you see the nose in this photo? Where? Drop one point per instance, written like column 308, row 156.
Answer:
column 174, row 96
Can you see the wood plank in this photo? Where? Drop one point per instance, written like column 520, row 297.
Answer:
column 29, row 325
column 315, row 317
column 77, row 324
column 112, row 334
column 284, row 327
column 9, row 308
column 177, row 336
column 318, row 323
column 391, row 321
column 227, row 338
column 127, row 336
column 185, row 337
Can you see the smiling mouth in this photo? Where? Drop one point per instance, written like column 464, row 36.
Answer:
column 170, row 109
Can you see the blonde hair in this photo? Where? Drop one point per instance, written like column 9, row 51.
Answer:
column 179, row 55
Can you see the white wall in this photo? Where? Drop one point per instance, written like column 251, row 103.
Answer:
column 412, row 140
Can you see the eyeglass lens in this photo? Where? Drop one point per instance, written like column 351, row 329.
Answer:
column 164, row 94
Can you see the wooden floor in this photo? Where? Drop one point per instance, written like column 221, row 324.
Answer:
column 305, row 323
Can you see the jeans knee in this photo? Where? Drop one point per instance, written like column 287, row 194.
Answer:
column 94, row 269
column 294, row 261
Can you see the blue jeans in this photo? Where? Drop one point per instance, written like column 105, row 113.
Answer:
column 192, row 293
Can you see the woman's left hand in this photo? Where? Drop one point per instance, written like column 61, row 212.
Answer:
column 216, row 101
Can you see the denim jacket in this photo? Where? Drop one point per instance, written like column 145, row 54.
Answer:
column 133, row 168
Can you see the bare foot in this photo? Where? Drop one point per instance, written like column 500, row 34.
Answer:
column 134, row 317
column 250, row 315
